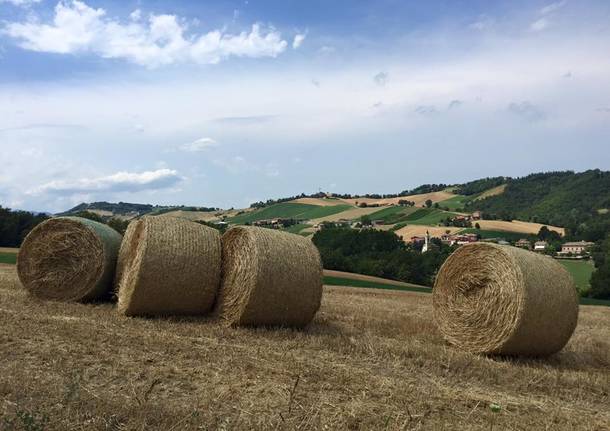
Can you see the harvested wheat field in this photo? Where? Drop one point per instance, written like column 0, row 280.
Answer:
column 350, row 214
column 371, row 359
column 517, row 226
column 208, row 216
column 322, row 202
column 419, row 199
column 492, row 192
column 420, row 230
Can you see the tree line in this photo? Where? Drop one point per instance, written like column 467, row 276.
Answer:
column 15, row 225
column 381, row 254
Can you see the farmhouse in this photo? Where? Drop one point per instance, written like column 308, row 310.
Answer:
column 418, row 239
column 540, row 245
column 477, row 215
column 275, row 223
column 459, row 239
column 523, row 243
column 579, row 247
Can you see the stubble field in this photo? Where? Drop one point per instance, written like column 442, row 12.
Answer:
column 372, row 359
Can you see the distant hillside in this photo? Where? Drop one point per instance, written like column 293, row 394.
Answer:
column 126, row 209
column 577, row 201
column 121, row 208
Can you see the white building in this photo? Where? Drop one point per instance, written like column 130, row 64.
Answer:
column 540, row 245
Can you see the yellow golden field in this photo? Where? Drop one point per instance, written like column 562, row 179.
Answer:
column 371, row 360
column 516, row 226
column 418, row 199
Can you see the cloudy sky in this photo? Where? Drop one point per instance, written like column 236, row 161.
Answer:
column 222, row 103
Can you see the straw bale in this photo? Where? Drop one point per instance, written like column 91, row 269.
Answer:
column 504, row 300
column 269, row 278
column 168, row 266
column 69, row 259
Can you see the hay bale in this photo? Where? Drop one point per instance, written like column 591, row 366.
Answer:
column 69, row 259
column 168, row 266
column 497, row 299
column 269, row 278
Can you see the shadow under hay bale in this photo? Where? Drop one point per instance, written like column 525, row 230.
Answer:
column 503, row 300
column 269, row 278
column 69, row 259
column 168, row 266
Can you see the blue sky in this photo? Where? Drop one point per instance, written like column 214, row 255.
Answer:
column 222, row 103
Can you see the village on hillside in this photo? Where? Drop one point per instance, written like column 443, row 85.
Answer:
column 419, row 220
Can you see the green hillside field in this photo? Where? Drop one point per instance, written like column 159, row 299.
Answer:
column 428, row 216
column 289, row 210
column 393, row 214
column 580, row 270
column 8, row 258
column 456, row 202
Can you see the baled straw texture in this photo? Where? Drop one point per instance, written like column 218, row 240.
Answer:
column 503, row 300
column 269, row 278
column 69, row 259
column 168, row 266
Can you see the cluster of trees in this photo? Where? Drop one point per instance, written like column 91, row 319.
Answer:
column 381, row 254
column 567, row 199
column 406, row 203
column 454, row 221
column 600, row 280
column 15, row 225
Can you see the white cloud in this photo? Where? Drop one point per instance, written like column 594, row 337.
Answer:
column 298, row 41
column 198, row 145
column 552, row 7
column 79, row 28
column 135, row 15
column 119, row 182
column 539, row 25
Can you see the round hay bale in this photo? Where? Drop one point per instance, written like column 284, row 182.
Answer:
column 69, row 259
column 168, row 266
column 269, row 278
column 504, row 300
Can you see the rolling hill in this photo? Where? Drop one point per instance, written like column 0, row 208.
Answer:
column 511, row 206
